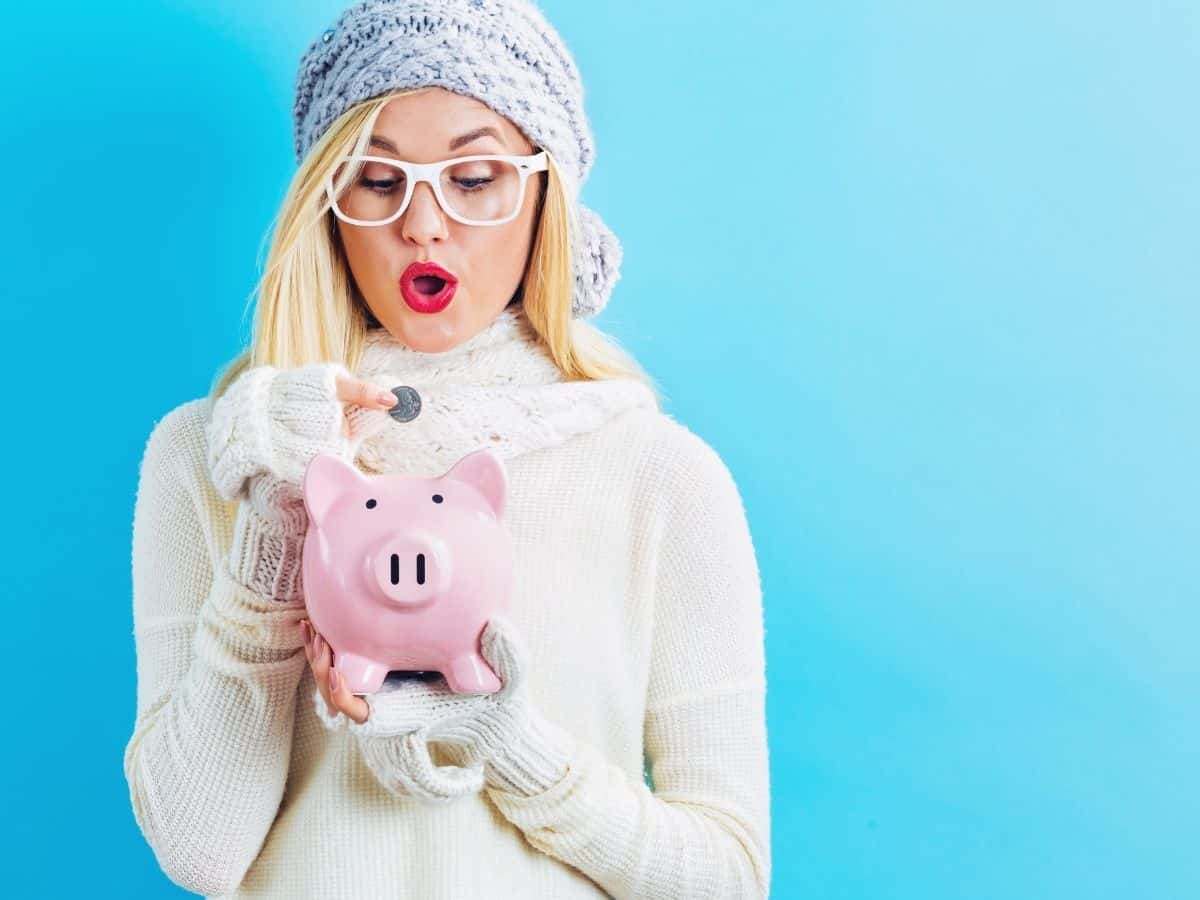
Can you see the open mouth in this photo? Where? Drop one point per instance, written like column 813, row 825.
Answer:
column 427, row 291
column 428, row 284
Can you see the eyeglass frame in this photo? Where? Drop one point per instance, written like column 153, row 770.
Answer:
column 414, row 173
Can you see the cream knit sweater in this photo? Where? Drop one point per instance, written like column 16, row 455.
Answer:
column 640, row 604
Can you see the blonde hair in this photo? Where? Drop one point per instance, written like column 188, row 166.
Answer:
column 309, row 309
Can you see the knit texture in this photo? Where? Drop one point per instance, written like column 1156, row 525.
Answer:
column 639, row 601
column 504, row 53
column 500, row 389
column 261, row 433
column 499, row 739
column 523, row 753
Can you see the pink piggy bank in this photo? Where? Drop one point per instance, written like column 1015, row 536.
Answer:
column 403, row 573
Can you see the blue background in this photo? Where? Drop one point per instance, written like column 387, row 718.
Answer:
column 924, row 273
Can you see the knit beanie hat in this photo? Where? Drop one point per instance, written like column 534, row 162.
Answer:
column 503, row 53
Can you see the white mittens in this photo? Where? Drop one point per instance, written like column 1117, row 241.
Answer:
column 264, row 430
column 404, row 717
column 500, row 740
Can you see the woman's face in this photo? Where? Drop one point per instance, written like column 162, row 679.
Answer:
column 488, row 261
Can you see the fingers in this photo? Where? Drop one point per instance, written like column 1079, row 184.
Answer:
column 355, row 390
column 354, row 707
column 313, row 647
column 334, row 690
column 361, row 393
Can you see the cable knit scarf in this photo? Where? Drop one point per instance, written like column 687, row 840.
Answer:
column 500, row 389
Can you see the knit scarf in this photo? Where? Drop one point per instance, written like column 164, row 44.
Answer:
column 499, row 389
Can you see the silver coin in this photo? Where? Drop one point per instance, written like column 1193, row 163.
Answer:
column 408, row 403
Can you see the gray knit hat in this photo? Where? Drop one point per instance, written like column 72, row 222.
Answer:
column 501, row 52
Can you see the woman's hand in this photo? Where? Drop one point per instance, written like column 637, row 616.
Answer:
column 262, row 433
column 335, row 691
column 356, row 392
column 499, row 739
column 401, row 706
column 395, row 725
column 270, row 422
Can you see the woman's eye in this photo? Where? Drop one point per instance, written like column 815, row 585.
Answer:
column 471, row 184
column 385, row 186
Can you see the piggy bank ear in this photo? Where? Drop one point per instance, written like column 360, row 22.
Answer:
column 483, row 471
column 326, row 478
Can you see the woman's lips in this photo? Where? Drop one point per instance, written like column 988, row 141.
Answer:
column 427, row 287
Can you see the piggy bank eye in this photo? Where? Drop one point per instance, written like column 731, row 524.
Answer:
column 437, row 498
column 371, row 504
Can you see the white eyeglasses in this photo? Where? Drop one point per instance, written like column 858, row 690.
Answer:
column 473, row 190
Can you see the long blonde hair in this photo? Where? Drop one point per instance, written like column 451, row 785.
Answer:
column 308, row 306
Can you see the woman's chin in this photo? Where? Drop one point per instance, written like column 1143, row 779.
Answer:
column 432, row 333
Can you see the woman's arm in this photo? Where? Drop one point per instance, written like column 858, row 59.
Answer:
column 218, row 668
column 704, row 831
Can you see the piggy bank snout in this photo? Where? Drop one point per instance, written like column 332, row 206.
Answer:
column 411, row 568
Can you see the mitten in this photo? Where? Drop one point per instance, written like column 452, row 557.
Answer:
column 522, row 751
column 404, row 716
column 499, row 740
column 263, row 431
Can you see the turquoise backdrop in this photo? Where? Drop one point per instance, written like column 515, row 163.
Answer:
column 924, row 273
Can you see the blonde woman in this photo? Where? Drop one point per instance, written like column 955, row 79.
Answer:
column 426, row 295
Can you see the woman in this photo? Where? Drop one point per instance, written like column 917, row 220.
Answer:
column 410, row 314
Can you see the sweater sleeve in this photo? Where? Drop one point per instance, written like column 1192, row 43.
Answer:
column 217, row 672
column 703, row 831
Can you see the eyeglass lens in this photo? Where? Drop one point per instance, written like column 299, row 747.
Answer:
column 483, row 190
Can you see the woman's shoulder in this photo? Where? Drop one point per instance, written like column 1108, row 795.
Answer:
column 177, row 448
column 674, row 456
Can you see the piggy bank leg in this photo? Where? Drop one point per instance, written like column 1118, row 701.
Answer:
column 470, row 674
column 363, row 676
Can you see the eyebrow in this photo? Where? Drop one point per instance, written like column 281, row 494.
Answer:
column 461, row 140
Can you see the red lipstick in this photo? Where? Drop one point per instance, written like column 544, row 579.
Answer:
column 427, row 287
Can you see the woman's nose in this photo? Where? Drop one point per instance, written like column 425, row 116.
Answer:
column 424, row 220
